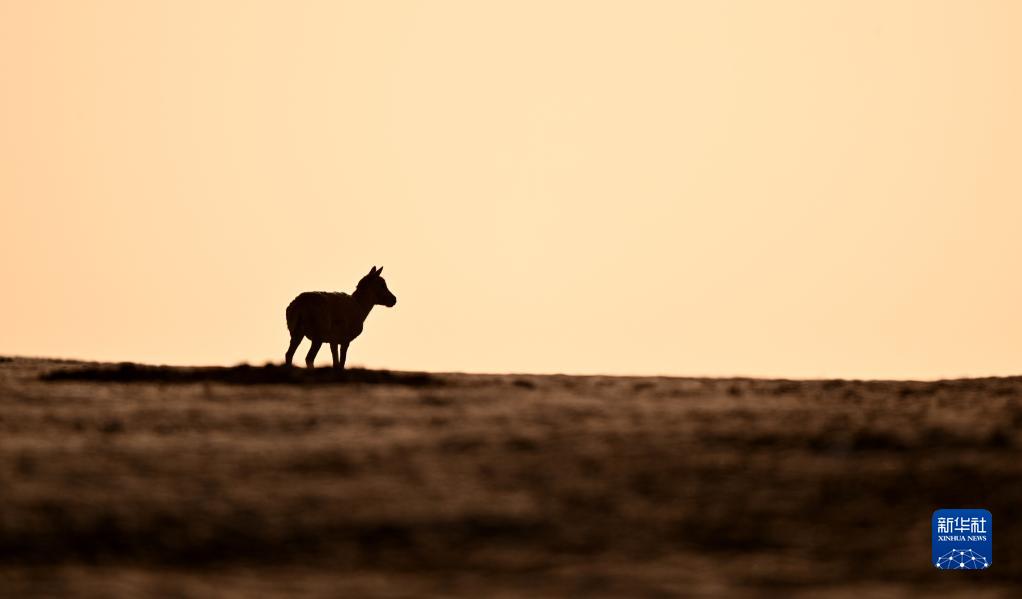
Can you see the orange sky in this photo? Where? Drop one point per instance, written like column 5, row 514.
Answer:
column 784, row 188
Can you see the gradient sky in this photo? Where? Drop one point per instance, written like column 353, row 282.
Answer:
column 784, row 188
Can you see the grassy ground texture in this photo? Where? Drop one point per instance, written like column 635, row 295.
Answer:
column 128, row 480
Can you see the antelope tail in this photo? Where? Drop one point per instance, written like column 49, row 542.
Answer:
column 293, row 315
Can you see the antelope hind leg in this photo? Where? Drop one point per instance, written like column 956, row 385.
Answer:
column 310, row 358
column 295, row 340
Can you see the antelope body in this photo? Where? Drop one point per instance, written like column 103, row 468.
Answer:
column 334, row 318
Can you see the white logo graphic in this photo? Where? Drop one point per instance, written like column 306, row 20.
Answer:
column 961, row 559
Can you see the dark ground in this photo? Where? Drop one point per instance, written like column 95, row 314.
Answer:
column 139, row 481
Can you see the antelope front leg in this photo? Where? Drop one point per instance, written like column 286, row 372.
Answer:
column 344, row 354
column 333, row 353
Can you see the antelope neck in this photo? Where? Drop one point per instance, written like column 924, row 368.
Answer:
column 363, row 302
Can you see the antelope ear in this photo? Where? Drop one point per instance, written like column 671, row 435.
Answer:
column 372, row 271
column 379, row 271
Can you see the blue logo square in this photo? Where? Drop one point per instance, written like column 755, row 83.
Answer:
column 962, row 539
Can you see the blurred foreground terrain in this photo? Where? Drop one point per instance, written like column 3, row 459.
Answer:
column 131, row 481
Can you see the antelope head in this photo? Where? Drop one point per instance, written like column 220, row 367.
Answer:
column 374, row 289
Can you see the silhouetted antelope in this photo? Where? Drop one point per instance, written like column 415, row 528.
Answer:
column 335, row 318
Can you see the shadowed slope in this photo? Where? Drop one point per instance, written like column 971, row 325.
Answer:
column 243, row 374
